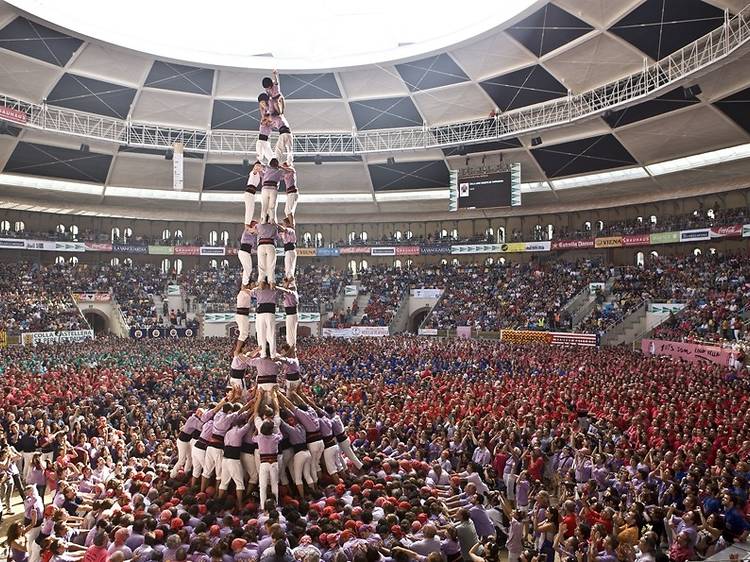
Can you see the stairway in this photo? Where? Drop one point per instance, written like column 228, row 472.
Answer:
column 362, row 302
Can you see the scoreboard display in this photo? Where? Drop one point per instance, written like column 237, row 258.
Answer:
column 481, row 192
column 481, row 189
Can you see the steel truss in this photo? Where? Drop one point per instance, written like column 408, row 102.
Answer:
column 650, row 81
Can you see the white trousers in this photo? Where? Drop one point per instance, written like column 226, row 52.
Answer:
column 316, row 452
column 284, row 148
column 249, row 207
column 236, row 383
column 346, row 448
column 267, row 263
column 263, row 151
column 27, row 458
column 250, row 464
column 286, row 458
column 290, row 207
column 231, row 470
column 292, row 321
column 184, row 459
column 290, row 263
column 199, row 457
column 35, row 552
column 243, row 325
column 329, row 457
column 265, row 331
column 246, row 259
column 213, row 462
column 302, row 469
column 268, row 473
column 268, row 197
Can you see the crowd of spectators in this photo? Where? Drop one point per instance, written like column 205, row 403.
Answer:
column 36, row 298
column 469, row 448
column 715, row 289
column 522, row 296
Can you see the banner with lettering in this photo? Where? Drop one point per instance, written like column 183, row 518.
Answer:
column 98, row 246
column 187, row 250
column 693, row 352
column 306, row 252
column 355, row 332
column 92, row 297
column 70, row 336
column 425, row 293
column 572, row 244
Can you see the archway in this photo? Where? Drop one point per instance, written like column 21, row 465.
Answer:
column 98, row 321
column 416, row 319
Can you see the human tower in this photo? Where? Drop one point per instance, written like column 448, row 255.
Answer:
column 268, row 430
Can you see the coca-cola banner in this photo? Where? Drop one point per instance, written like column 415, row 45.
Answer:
column 730, row 231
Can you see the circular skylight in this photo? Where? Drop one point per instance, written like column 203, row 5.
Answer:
column 289, row 35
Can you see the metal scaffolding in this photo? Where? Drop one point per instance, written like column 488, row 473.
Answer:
column 650, row 81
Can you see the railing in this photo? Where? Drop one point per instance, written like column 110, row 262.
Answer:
column 651, row 80
column 619, row 329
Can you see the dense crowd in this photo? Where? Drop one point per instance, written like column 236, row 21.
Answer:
column 526, row 296
column 587, row 454
column 37, row 298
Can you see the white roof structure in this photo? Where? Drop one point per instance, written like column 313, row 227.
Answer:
column 549, row 53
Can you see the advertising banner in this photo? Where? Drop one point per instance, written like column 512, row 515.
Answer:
column 129, row 249
column 730, row 231
column 330, row 252
column 427, row 332
column 383, row 251
column 3, row 339
column 572, row 244
column 15, row 115
column 13, row 243
column 71, row 336
column 350, row 291
column 213, row 251
column 537, row 246
column 92, row 297
column 745, row 230
column 695, row 235
column 693, row 352
column 434, row 250
column 608, row 242
column 162, row 332
column 187, row 250
column 666, row 307
column 426, row 293
column 352, row 250
column 224, row 317
column 463, row 332
column 479, row 249
column 355, row 332
column 178, row 158
column 513, row 247
column 407, row 250
column 306, row 252
column 173, row 290
column 98, row 246
column 636, row 240
column 594, row 287
column 70, row 247
column 549, row 338
column 160, row 250
column 665, row 237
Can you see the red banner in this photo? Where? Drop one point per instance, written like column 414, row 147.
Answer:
column 730, row 231
column 98, row 247
column 187, row 250
column 693, row 352
column 636, row 240
column 549, row 338
column 10, row 114
column 355, row 250
column 572, row 244
column 407, row 250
